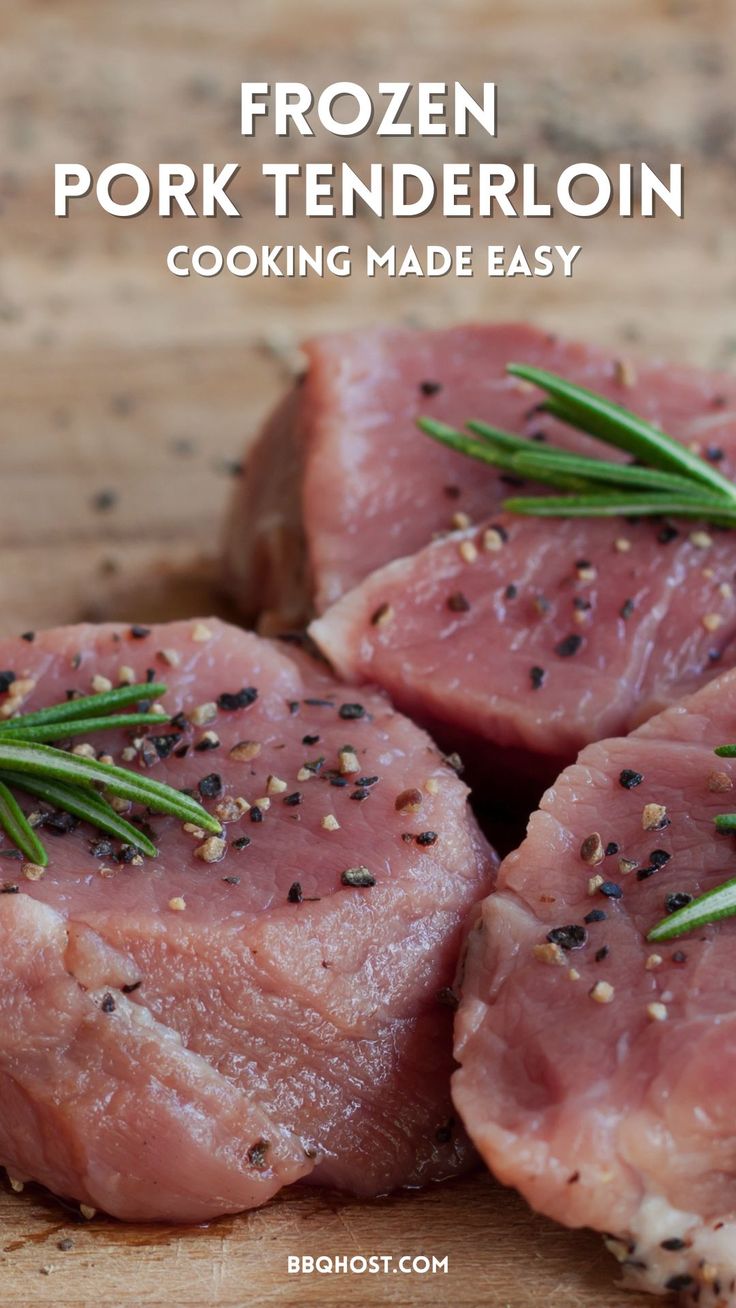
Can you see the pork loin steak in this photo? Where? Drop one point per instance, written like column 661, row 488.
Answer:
column 181, row 1037
column 597, row 1070
column 341, row 481
column 520, row 642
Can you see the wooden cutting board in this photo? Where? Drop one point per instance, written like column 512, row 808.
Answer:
column 499, row 1255
column 127, row 397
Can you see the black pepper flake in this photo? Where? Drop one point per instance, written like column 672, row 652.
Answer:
column 677, row 900
column 310, row 740
column 629, row 779
column 659, row 857
column 207, row 742
column 357, row 876
column 6, row 681
column 293, row 706
column 9, row 889
column 447, row 997
column 595, row 915
column 101, row 849
column 350, row 712
column 569, row 646
column 238, row 699
column 256, row 814
column 568, row 937
column 367, row 781
column 295, row 895
column 108, row 1003
column 30, row 636
column 180, row 721
column 320, row 703
column 644, row 873
column 130, row 986
column 581, row 604
column 360, row 794
column 667, row 534
column 231, row 881
column 104, row 500
column 457, row 602
column 210, row 786
column 242, row 842
column 163, row 745
column 537, row 676
column 430, row 387
column 339, row 782
column 257, row 1154
column 126, row 854
column 138, row 632
column 511, row 591
column 611, row 890
column 714, row 454
column 611, row 849
column 181, row 751
column 601, row 953
column 60, row 824
column 677, row 1283
column 673, row 1245
column 292, row 800
column 679, row 957
column 427, row 838
column 443, row 1134
column 627, row 608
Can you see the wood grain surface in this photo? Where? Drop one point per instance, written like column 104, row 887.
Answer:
column 128, row 395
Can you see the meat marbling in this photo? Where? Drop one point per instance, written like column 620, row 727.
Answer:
column 597, row 1070
column 169, row 1061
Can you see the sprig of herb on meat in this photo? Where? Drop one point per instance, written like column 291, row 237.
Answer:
column 665, row 478
column 79, row 785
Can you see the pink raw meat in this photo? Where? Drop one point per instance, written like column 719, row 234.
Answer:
column 603, row 1110
column 176, row 1064
column 519, row 655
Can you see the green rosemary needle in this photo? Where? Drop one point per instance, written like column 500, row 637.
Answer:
column 17, row 827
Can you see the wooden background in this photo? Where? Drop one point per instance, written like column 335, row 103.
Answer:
column 127, row 396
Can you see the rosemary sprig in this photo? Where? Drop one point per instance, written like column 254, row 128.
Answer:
column 56, row 765
column 17, row 827
column 665, row 479
column 74, row 783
